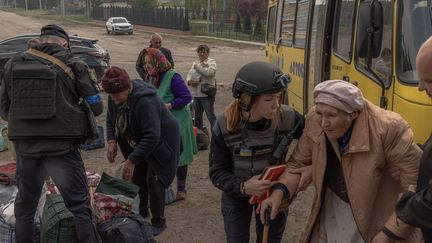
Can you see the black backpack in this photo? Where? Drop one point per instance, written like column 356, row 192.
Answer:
column 121, row 229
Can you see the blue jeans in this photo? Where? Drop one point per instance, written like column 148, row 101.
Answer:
column 202, row 104
column 237, row 215
column 68, row 173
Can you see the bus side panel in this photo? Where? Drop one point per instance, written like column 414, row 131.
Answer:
column 292, row 63
column 417, row 115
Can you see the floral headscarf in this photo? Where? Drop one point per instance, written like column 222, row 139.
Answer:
column 159, row 62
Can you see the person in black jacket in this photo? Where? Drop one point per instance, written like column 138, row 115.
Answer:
column 148, row 137
column 415, row 206
column 155, row 42
column 41, row 102
column 243, row 141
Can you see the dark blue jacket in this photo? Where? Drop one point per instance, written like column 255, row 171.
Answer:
column 156, row 132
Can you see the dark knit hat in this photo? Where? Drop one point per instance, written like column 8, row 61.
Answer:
column 53, row 29
column 115, row 80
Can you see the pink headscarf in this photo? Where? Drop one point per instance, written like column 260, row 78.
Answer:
column 339, row 94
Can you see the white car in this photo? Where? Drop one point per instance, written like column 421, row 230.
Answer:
column 117, row 25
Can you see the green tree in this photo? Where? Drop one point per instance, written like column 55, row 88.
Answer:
column 186, row 25
column 144, row 3
column 258, row 27
column 247, row 26
column 237, row 26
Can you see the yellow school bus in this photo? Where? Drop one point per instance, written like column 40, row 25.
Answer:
column 372, row 44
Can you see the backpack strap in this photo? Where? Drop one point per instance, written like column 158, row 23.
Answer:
column 54, row 60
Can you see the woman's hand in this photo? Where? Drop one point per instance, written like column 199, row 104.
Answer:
column 112, row 150
column 256, row 187
column 305, row 177
column 128, row 170
column 274, row 202
column 168, row 106
column 382, row 238
column 394, row 172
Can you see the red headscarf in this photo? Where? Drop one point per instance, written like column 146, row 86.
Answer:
column 158, row 61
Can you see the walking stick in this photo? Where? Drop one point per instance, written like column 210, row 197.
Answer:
column 267, row 212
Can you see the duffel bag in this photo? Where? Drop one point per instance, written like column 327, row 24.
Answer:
column 130, row 229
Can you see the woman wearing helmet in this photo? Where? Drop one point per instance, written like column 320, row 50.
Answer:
column 243, row 143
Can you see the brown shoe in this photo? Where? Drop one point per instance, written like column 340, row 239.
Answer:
column 181, row 195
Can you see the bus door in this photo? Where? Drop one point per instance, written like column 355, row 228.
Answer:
column 342, row 39
column 291, row 47
column 349, row 60
column 319, row 47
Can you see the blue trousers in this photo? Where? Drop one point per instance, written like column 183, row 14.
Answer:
column 202, row 104
column 237, row 215
column 68, row 173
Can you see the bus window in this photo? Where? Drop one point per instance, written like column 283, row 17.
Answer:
column 288, row 17
column 382, row 65
column 271, row 24
column 343, row 28
column 414, row 17
column 301, row 23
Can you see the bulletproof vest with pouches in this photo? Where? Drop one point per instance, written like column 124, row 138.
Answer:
column 41, row 105
column 252, row 150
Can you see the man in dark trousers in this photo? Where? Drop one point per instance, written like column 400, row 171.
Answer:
column 40, row 97
column 415, row 207
column 155, row 42
column 148, row 137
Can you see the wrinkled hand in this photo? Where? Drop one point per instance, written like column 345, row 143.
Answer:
column 305, row 177
column 412, row 188
column 112, row 150
column 395, row 173
column 382, row 238
column 128, row 170
column 274, row 202
column 256, row 187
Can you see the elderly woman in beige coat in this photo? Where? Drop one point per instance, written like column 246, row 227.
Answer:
column 347, row 148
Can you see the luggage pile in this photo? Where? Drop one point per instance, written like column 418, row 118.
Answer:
column 8, row 191
column 112, row 201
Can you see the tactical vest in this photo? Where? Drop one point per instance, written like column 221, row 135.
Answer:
column 253, row 150
column 41, row 105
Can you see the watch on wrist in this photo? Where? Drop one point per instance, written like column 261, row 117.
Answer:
column 283, row 188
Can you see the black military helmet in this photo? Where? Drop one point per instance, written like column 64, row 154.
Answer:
column 55, row 30
column 258, row 78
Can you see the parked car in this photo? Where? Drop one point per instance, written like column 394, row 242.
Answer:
column 118, row 25
column 94, row 55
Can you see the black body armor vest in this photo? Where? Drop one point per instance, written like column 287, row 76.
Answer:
column 41, row 104
column 252, row 151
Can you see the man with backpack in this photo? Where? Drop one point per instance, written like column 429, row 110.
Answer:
column 46, row 96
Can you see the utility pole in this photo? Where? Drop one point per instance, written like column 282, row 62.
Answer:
column 63, row 8
column 88, row 10
column 40, row 5
column 208, row 16
column 26, row 5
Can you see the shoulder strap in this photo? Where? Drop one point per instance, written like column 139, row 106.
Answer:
column 286, row 119
column 58, row 65
column 54, row 60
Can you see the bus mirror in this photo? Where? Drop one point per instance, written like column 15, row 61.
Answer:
column 370, row 30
